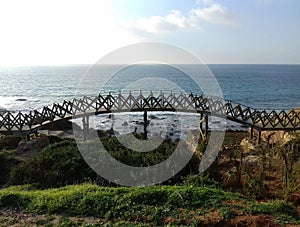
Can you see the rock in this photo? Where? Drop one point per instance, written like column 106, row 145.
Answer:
column 276, row 137
column 153, row 117
column 21, row 100
column 251, row 162
column 247, row 145
column 34, row 144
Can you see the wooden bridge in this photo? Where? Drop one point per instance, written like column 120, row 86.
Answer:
column 260, row 120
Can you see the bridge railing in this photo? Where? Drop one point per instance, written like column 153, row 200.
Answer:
column 151, row 101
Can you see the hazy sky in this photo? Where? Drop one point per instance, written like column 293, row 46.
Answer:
column 35, row 32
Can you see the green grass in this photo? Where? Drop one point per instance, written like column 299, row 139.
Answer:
column 138, row 205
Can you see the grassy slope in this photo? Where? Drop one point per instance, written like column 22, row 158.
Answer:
column 157, row 205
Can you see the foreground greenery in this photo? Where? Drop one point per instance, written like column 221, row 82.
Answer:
column 191, row 200
column 62, row 164
column 157, row 205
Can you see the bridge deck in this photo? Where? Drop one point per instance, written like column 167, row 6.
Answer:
column 148, row 101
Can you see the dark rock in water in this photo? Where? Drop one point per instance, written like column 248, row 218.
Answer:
column 153, row 117
column 110, row 116
column 21, row 100
column 125, row 123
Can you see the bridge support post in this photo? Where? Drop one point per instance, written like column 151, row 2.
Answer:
column 206, row 125
column 85, row 127
column 251, row 133
column 8, row 124
column 201, row 122
column 145, row 125
column 259, row 137
column 202, row 119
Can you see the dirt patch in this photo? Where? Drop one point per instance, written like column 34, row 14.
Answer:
column 12, row 217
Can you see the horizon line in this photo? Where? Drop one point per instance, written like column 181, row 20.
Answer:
column 78, row 64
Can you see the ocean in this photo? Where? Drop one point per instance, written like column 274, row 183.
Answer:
column 258, row 86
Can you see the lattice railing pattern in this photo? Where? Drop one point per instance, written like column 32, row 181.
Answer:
column 151, row 101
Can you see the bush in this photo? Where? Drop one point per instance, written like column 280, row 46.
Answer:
column 61, row 163
column 57, row 165
column 9, row 142
column 156, row 156
column 135, row 158
column 6, row 164
column 200, row 180
column 275, row 207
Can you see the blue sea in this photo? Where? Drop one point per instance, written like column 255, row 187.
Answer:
column 258, row 86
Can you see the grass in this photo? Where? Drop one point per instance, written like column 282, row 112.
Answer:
column 157, row 205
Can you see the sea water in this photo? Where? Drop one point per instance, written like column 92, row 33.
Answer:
column 258, row 86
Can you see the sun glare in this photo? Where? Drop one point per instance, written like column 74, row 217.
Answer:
column 58, row 32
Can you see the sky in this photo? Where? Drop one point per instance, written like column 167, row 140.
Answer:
column 57, row 32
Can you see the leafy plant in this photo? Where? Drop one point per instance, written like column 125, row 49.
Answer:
column 7, row 162
column 57, row 165
column 227, row 213
column 200, row 180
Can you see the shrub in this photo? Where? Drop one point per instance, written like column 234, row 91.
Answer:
column 227, row 213
column 200, row 180
column 9, row 142
column 156, row 156
column 275, row 207
column 61, row 163
column 7, row 162
column 58, row 164
column 135, row 158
